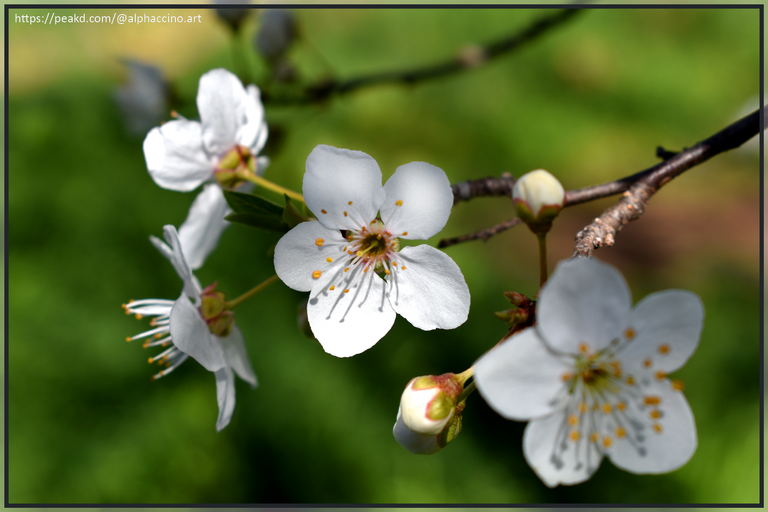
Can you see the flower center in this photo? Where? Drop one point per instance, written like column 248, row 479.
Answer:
column 373, row 246
column 238, row 160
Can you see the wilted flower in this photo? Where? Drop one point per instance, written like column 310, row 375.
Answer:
column 350, row 258
column 591, row 376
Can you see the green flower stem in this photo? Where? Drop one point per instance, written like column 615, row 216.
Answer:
column 250, row 293
column 467, row 391
column 263, row 182
column 542, row 257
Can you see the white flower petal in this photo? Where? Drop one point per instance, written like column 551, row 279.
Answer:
column 521, row 379
column 419, row 444
column 191, row 335
column 418, row 202
column 428, row 289
column 574, row 465
column 339, row 181
column 667, row 327
column 237, row 356
column 201, row 230
column 584, row 301
column 175, row 255
column 175, row 156
column 225, row 395
column 253, row 130
column 298, row 255
column 225, row 108
column 349, row 323
column 668, row 449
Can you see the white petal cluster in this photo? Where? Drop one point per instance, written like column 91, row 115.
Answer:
column 349, row 259
column 181, row 154
column 179, row 326
column 591, row 376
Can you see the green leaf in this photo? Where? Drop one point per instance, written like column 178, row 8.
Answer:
column 251, row 204
column 291, row 215
column 266, row 221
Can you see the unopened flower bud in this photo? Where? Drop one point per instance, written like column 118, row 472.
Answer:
column 538, row 199
column 428, row 403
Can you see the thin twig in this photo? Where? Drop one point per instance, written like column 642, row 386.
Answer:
column 480, row 55
column 483, row 187
column 480, row 235
column 602, row 231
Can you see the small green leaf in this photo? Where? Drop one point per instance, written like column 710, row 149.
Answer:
column 265, row 221
column 291, row 215
column 251, row 204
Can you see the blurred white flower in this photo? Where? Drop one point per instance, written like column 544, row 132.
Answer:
column 338, row 258
column 591, row 376
column 143, row 99
column 195, row 325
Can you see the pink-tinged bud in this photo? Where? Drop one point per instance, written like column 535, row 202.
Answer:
column 237, row 160
column 214, row 312
column 538, row 199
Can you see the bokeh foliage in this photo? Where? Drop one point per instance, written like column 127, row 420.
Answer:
column 589, row 102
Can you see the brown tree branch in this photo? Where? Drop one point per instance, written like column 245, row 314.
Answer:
column 637, row 188
column 603, row 230
column 478, row 56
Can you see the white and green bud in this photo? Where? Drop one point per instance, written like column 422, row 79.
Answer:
column 538, row 197
column 429, row 416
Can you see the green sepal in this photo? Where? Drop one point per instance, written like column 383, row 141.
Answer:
column 452, row 430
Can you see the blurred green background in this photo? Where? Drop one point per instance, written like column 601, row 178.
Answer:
column 589, row 102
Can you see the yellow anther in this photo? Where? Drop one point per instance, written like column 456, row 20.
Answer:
column 399, row 202
column 365, row 270
column 652, row 400
column 346, row 291
column 647, row 362
column 607, row 408
column 657, row 428
column 316, row 274
column 678, row 385
column 128, row 338
column 583, row 348
column 566, row 376
column 329, row 260
column 607, row 441
column 138, row 316
column 332, row 288
column 664, row 349
column 575, row 435
column 403, row 267
column 151, row 360
column 629, row 333
column 359, row 254
column 594, row 437
column 573, row 420
column 323, row 211
column 319, row 242
column 621, row 406
column 345, row 214
column 661, row 375
column 404, row 233
column 655, row 414
column 350, row 203
column 630, row 380
column 620, row 432
column 346, row 269
column 158, row 335
column 386, row 271
column 582, row 407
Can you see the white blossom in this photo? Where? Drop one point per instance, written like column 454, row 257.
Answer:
column 350, row 260
column 181, row 154
column 180, row 326
column 591, row 376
